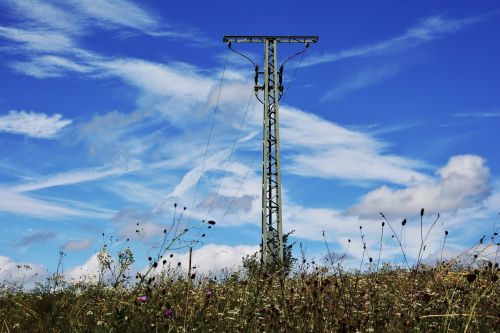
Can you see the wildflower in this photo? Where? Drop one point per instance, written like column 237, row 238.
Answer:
column 209, row 293
column 403, row 222
column 169, row 313
column 422, row 212
column 143, row 299
column 211, row 222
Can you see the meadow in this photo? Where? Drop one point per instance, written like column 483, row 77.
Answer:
column 461, row 294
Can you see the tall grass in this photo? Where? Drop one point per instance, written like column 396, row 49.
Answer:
column 457, row 295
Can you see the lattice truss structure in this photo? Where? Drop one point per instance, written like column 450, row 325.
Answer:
column 272, row 88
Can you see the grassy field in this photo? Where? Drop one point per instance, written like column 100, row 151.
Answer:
column 457, row 295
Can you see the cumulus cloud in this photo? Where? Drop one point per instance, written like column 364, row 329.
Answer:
column 24, row 273
column 212, row 258
column 462, row 182
column 36, row 125
column 88, row 271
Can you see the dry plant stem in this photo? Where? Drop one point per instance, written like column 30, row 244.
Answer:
column 381, row 242
column 442, row 247
column 424, row 240
column 397, row 238
column 328, row 249
column 474, row 307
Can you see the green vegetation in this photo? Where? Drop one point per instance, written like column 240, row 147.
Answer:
column 458, row 295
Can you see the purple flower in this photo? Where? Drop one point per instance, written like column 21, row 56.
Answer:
column 169, row 313
column 143, row 298
column 209, row 293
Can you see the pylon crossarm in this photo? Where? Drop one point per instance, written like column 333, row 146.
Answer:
column 278, row 39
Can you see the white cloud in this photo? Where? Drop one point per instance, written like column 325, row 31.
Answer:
column 431, row 28
column 45, row 14
column 19, row 204
column 39, row 40
column 463, row 182
column 88, row 271
column 24, row 273
column 76, row 177
column 360, row 80
column 49, row 66
column 36, row 125
column 181, row 83
column 328, row 150
column 212, row 258
column 117, row 13
column 77, row 245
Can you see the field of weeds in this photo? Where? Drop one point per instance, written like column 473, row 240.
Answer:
column 432, row 299
column 456, row 295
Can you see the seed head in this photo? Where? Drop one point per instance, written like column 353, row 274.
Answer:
column 422, row 212
column 471, row 277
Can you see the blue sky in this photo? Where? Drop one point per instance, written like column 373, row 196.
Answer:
column 105, row 110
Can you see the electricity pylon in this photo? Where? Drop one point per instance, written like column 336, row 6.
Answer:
column 272, row 232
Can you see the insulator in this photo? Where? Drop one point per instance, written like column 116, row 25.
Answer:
column 256, row 79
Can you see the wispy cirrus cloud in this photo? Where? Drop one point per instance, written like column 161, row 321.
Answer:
column 45, row 14
column 35, row 125
column 429, row 29
column 49, row 66
column 494, row 113
column 328, row 150
column 38, row 39
column 117, row 13
column 360, row 80
column 24, row 205
column 76, row 177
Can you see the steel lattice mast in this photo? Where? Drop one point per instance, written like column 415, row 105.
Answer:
column 272, row 232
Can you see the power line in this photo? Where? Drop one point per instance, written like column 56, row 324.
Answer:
column 296, row 68
column 254, row 158
column 209, row 136
column 230, row 154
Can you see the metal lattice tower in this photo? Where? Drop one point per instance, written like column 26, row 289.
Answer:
column 272, row 232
